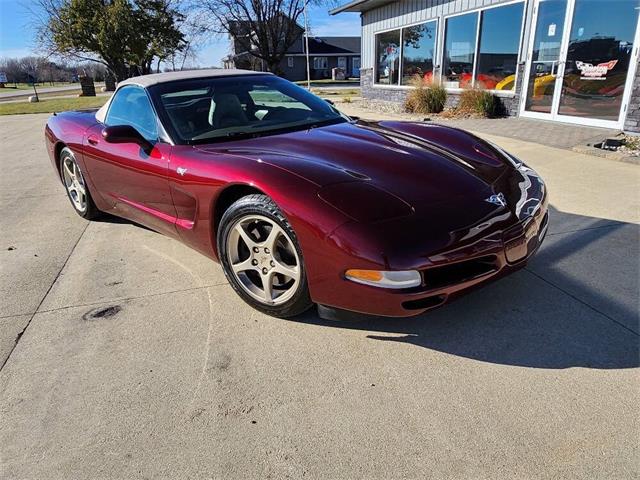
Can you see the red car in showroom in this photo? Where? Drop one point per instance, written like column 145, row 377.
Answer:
column 298, row 202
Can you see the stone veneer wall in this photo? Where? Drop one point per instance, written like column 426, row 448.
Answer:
column 632, row 121
column 510, row 104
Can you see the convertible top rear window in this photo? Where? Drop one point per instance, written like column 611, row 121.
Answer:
column 213, row 109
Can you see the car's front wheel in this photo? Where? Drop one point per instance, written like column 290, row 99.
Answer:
column 77, row 189
column 261, row 257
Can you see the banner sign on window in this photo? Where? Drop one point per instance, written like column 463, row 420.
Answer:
column 595, row 72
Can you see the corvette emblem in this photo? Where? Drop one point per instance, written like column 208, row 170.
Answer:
column 497, row 199
column 181, row 171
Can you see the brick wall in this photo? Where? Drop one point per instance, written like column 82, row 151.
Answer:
column 510, row 105
column 632, row 121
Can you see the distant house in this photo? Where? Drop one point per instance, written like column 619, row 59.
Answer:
column 325, row 53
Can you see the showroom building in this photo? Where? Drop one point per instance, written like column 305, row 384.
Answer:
column 572, row 61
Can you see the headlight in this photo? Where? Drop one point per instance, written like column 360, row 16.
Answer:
column 385, row 279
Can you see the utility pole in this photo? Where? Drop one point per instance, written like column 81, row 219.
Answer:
column 306, row 48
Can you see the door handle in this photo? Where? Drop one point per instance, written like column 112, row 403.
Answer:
column 92, row 140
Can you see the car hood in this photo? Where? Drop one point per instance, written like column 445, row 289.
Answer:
column 421, row 163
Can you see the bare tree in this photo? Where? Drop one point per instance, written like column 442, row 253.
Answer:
column 33, row 67
column 263, row 29
column 13, row 69
column 195, row 30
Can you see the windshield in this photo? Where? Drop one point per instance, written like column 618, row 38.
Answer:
column 211, row 109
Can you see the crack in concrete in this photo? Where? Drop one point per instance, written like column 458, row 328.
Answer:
column 126, row 299
column 550, row 283
column 19, row 336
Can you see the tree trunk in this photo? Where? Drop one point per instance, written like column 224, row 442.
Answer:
column 120, row 72
column 273, row 65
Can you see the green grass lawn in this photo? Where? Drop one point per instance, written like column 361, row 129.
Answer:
column 52, row 105
column 326, row 81
column 343, row 92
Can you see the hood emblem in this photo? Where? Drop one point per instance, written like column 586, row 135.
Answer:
column 181, row 171
column 497, row 199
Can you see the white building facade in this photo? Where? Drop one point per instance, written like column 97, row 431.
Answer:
column 573, row 61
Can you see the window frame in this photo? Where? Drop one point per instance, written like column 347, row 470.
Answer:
column 478, row 12
column 325, row 62
column 440, row 46
column 436, row 47
column 436, row 55
column 375, row 53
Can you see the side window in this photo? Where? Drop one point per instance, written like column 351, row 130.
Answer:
column 131, row 106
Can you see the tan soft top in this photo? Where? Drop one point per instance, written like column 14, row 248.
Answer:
column 156, row 78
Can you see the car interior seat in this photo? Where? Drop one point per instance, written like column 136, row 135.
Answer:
column 226, row 111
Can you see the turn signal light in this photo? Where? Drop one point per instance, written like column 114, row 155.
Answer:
column 385, row 279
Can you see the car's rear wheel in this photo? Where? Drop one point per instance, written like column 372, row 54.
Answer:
column 261, row 257
column 75, row 185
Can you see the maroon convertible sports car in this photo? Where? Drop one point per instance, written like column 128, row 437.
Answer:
column 298, row 202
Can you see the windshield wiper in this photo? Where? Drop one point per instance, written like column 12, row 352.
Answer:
column 241, row 134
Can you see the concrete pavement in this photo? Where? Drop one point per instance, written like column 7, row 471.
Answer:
column 548, row 133
column 136, row 359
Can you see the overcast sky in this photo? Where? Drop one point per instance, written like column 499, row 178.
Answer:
column 16, row 33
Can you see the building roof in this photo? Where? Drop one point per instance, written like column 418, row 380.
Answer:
column 334, row 45
column 360, row 6
column 156, row 78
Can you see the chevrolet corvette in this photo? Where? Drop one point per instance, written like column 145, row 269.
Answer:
column 299, row 203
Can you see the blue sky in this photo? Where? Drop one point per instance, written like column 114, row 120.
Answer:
column 16, row 32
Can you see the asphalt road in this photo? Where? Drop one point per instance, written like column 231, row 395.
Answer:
column 15, row 93
column 128, row 355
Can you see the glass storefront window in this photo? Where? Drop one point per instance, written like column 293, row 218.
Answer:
column 459, row 50
column 497, row 50
column 545, row 57
column 418, row 51
column 500, row 30
column 598, row 58
column 388, row 57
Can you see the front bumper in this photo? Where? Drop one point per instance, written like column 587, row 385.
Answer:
column 452, row 273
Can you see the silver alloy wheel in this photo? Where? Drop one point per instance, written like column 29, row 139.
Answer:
column 74, row 181
column 263, row 259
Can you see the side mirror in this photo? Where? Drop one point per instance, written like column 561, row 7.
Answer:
column 125, row 134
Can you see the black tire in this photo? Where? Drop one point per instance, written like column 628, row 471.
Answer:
column 90, row 210
column 261, row 205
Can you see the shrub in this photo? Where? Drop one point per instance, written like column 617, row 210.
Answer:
column 479, row 102
column 425, row 97
column 632, row 143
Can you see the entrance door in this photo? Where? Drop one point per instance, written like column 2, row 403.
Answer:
column 355, row 67
column 581, row 61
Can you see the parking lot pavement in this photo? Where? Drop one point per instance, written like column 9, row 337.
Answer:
column 138, row 360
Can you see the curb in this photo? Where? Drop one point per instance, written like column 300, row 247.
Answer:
column 613, row 156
